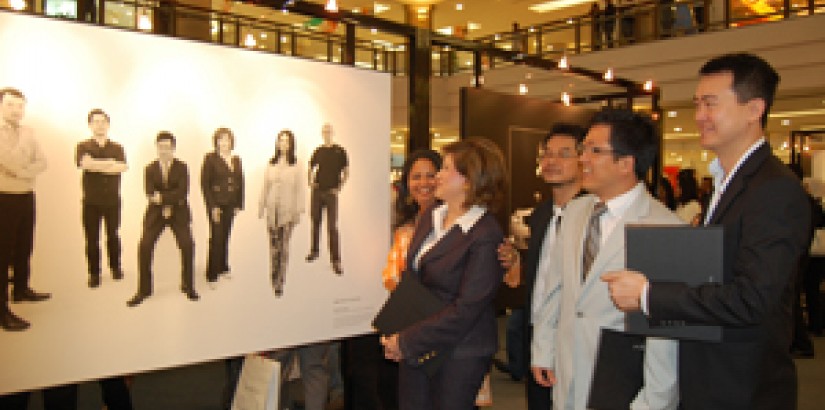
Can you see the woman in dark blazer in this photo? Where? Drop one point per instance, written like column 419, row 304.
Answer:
column 453, row 253
column 223, row 190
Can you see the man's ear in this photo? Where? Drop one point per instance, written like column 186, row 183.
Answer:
column 756, row 107
column 628, row 164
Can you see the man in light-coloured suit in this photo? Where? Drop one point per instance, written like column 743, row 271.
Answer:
column 616, row 154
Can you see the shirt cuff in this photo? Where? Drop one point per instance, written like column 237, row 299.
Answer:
column 643, row 298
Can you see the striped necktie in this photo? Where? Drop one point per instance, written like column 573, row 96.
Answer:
column 593, row 239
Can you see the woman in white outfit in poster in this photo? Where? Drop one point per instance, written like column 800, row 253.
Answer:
column 282, row 201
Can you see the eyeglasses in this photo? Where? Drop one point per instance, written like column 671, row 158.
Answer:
column 594, row 150
column 561, row 154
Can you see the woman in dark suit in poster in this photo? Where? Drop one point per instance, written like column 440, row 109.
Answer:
column 222, row 183
column 453, row 254
column 282, row 201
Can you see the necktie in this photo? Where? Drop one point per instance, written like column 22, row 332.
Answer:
column 164, row 171
column 593, row 239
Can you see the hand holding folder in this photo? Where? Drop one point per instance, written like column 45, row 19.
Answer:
column 410, row 303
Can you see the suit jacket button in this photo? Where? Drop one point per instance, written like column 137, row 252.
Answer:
column 579, row 314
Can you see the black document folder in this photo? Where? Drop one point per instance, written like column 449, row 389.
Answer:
column 675, row 253
column 619, row 371
column 408, row 304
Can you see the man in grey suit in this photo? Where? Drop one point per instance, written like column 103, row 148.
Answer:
column 616, row 154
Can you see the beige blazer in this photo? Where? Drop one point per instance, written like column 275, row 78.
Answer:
column 572, row 313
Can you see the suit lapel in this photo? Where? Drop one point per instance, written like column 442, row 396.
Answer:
column 539, row 220
column 422, row 229
column 613, row 245
column 739, row 181
column 454, row 237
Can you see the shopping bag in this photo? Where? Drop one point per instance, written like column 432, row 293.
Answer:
column 259, row 384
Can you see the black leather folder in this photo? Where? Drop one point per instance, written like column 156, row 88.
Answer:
column 408, row 304
column 619, row 371
column 675, row 253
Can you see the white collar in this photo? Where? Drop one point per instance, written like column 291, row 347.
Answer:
column 465, row 222
column 618, row 206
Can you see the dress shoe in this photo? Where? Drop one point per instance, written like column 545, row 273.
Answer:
column 191, row 294
column 312, row 256
column 336, row 267
column 29, row 295
column 94, row 281
column 12, row 323
column 137, row 299
column 117, row 273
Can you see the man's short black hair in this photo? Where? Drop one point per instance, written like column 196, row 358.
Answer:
column 96, row 111
column 563, row 128
column 165, row 136
column 753, row 78
column 631, row 134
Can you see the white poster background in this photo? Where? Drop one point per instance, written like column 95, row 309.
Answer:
column 148, row 84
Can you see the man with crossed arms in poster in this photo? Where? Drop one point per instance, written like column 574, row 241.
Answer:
column 766, row 217
column 574, row 306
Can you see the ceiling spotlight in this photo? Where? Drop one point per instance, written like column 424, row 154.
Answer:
column 332, row 6
column 522, row 88
column 566, row 99
column 786, row 122
column 672, row 114
column 144, row 23
column 608, row 75
column 648, row 86
column 677, row 129
column 250, row 41
column 459, row 6
column 18, row 5
column 563, row 64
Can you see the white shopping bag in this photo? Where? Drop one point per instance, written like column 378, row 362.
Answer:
column 259, row 384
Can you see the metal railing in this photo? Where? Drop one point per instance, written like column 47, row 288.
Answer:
column 166, row 17
column 338, row 43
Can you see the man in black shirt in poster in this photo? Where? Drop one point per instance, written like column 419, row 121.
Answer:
column 102, row 162
column 328, row 171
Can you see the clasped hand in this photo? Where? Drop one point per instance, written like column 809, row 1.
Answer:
column 392, row 350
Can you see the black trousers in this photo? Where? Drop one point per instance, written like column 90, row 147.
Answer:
column 54, row 398
column 811, row 283
column 16, row 241
column 151, row 232
column 454, row 387
column 116, row 396
column 325, row 199
column 217, row 260
column 370, row 380
column 93, row 215
column 538, row 396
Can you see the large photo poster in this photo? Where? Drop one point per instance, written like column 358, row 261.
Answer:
column 168, row 202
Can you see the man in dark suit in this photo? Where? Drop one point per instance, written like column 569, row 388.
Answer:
column 559, row 167
column 766, row 217
column 167, row 185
